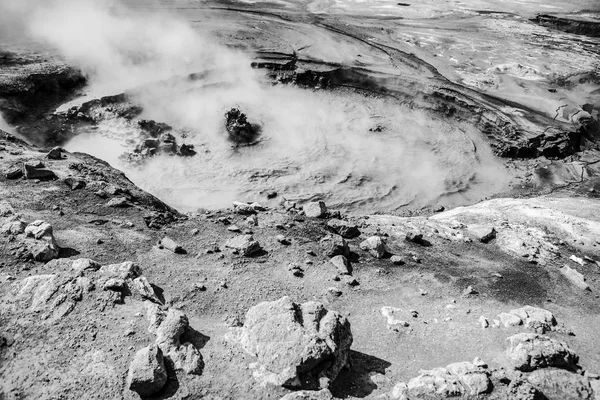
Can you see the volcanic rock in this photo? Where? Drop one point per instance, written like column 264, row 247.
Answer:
column 241, row 132
column 315, row 209
column 334, row 245
column 38, row 171
column 55, row 154
column 244, row 244
column 13, row 173
column 296, row 344
column 530, row 351
column 345, row 229
column 75, row 183
column 147, row 373
column 375, row 245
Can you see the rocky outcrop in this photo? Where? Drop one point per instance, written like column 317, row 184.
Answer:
column 31, row 241
column 530, row 351
column 297, row 345
column 463, row 379
column 558, row 384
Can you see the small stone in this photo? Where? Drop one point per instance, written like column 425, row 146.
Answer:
column 342, row 265
column 115, row 284
column 577, row 260
column 470, row 291
column 483, row 233
column 14, row 173
column 172, row 245
column 509, row 320
column 283, row 240
column 245, row 244
column 194, row 231
column 397, row 260
column 483, row 321
column 417, row 238
column 55, row 154
column 350, row 280
column 118, row 202
column 334, row 291
column 233, row 228
column 375, row 245
column 271, row 195
column 316, row 209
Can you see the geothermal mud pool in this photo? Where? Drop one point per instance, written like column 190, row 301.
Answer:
column 292, row 200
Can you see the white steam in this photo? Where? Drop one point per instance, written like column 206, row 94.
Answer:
column 315, row 144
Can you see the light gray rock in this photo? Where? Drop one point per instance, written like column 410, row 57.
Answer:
column 397, row 260
column 482, row 233
column 172, row 245
column 342, row 265
column 6, row 209
column 315, row 209
column 115, row 284
column 247, row 208
column 147, row 373
column 85, row 264
column 510, row 319
column 530, row 351
column 575, row 277
column 169, row 333
column 39, row 229
column 558, row 384
column 457, row 379
column 535, row 318
column 118, row 202
column 295, row 343
column 13, row 226
column 323, row 394
column 244, row 244
column 124, row 270
column 143, row 287
column 375, row 245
